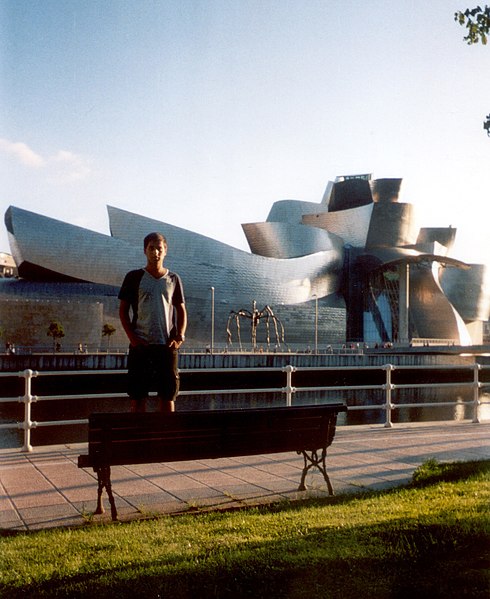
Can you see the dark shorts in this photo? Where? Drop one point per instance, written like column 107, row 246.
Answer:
column 153, row 368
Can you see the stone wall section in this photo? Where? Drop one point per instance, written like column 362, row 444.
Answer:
column 25, row 322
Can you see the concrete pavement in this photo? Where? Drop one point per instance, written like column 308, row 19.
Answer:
column 46, row 489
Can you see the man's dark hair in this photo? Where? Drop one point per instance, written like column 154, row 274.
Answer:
column 154, row 237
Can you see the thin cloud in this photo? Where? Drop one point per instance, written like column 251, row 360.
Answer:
column 63, row 167
column 22, row 153
column 70, row 166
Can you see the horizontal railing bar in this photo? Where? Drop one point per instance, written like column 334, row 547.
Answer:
column 379, row 387
column 297, row 389
column 39, row 373
column 221, row 370
column 61, row 422
column 468, row 367
column 370, row 407
column 39, row 398
column 434, row 385
column 396, row 367
column 230, row 391
column 125, row 395
column 343, row 388
column 433, row 404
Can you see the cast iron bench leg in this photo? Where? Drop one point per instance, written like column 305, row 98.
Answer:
column 104, row 480
column 311, row 461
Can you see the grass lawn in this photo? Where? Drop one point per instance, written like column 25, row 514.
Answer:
column 429, row 539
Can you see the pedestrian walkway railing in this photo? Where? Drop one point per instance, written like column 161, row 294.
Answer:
column 387, row 388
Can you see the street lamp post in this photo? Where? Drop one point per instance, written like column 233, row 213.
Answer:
column 316, row 324
column 403, row 302
column 212, row 320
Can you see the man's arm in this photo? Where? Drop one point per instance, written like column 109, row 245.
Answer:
column 181, row 314
column 124, row 317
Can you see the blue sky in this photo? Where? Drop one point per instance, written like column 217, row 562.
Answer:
column 204, row 113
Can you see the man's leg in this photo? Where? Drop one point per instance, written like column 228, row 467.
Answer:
column 137, row 405
column 138, row 378
column 168, row 379
column 166, row 406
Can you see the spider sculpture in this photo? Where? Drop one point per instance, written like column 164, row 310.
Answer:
column 255, row 316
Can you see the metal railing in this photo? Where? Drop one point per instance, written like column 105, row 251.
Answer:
column 387, row 387
column 428, row 341
column 218, row 348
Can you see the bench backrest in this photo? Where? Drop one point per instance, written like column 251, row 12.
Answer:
column 127, row 438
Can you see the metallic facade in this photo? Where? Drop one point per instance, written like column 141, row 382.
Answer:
column 351, row 224
column 340, row 258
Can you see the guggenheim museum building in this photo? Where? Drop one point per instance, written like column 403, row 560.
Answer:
column 353, row 268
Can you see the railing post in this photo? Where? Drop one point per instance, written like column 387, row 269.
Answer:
column 388, row 386
column 289, row 389
column 476, row 392
column 28, row 398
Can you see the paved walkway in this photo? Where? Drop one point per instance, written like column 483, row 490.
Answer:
column 46, row 489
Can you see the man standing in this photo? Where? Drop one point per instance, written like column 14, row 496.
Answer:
column 153, row 314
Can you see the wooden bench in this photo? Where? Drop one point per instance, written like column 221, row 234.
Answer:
column 140, row 438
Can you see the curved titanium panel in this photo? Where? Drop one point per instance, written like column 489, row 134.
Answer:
column 203, row 262
column 386, row 190
column 291, row 211
column 468, row 291
column 392, row 224
column 383, row 256
column 352, row 224
column 285, row 240
column 348, row 194
column 41, row 244
column 443, row 235
column 431, row 312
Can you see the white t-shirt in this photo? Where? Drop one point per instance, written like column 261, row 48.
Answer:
column 153, row 300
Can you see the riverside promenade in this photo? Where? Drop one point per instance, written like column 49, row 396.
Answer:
column 45, row 488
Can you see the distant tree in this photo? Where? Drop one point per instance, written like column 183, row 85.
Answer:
column 107, row 331
column 56, row 331
column 477, row 22
column 486, row 124
column 2, row 335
